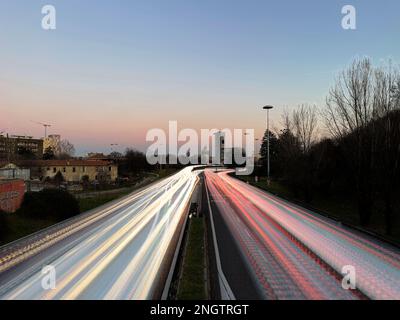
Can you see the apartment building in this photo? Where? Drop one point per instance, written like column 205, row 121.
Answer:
column 11, row 147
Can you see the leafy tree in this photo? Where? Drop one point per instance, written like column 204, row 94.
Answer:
column 273, row 146
column 133, row 163
column 52, row 204
column 48, row 154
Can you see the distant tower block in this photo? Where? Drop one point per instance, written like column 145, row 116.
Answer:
column 220, row 147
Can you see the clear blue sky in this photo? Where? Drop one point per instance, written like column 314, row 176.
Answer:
column 114, row 69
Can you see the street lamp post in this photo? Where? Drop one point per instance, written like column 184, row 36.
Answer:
column 268, row 164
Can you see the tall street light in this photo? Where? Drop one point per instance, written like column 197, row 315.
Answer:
column 268, row 166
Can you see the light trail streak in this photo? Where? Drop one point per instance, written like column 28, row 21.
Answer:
column 121, row 257
column 296, row 254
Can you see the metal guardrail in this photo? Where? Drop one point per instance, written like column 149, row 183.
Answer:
column 19, row 250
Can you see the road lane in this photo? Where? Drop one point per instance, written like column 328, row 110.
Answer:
column 118, row 257
column 296, row 254
column 234, row 265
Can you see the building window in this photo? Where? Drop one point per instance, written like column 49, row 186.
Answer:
column 73, row 169
column 84, row 169
column 109, row 168
column 64, row 169
column 54, row 170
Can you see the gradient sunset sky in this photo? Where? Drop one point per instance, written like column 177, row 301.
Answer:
column 114, row 69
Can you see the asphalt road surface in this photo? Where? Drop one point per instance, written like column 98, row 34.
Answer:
column 272, row 249
column 264, row 248
column 116, row 252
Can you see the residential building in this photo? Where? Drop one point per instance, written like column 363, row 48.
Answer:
column 11, row 171
column 11, row 147
column 76, row 170
column 73, row 170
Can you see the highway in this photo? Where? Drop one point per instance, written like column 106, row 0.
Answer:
column 272, row 249
column 265, row 248
column 120, row 251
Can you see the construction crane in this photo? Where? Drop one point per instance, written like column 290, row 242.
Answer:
column 45, row 127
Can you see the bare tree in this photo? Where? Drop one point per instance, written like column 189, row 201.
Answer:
column 289, row 142
column 350, row 109
column 386, row 91
column 286, row 120
column 66, row 149
column 360, row 113
column 349, row 102
column 305, row 123
column 387, row 129
column 396, row 93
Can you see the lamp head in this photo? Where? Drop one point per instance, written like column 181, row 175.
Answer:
column 268, row 107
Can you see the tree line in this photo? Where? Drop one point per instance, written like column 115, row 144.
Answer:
column 350, row 148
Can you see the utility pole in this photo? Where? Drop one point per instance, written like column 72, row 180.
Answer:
column 268, row 161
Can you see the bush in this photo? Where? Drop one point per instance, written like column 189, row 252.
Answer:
column 50, row 204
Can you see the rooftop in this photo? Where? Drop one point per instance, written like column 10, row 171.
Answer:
column 56, row 163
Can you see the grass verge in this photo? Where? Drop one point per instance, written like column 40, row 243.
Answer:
column 192, row 282
column 19, row 227
column 86, row 204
